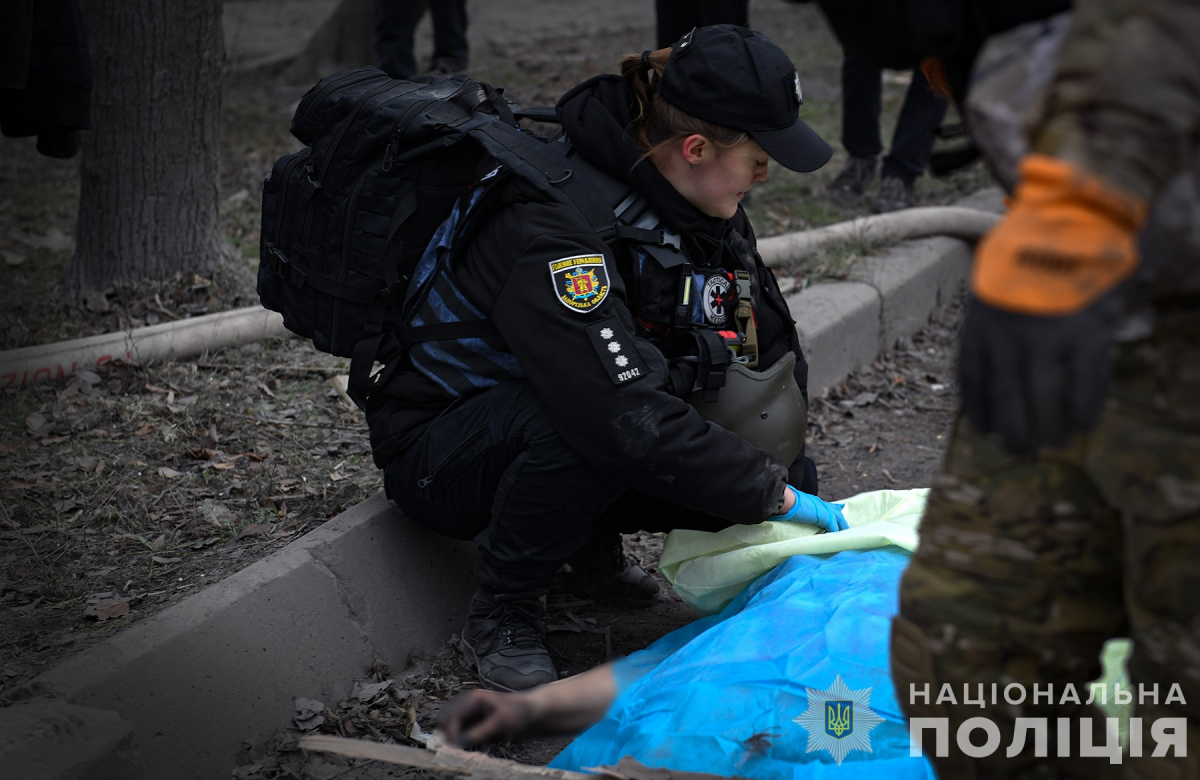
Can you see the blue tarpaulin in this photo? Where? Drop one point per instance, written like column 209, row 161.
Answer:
column 723, row 694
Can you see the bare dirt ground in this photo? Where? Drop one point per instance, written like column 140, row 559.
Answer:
column 128, row 488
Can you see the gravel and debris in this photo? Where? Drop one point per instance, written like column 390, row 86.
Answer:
column 127, row 488
column 887, row 424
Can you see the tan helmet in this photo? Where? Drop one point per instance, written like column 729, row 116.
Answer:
column 766, row 408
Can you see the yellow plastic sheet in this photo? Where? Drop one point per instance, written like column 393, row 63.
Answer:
column 708, row 570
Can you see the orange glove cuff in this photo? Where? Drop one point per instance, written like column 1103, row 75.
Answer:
column 1067, row 239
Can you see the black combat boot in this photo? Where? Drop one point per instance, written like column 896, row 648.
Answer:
column 894, row 194
column 852, row 182
column 601, row 572
column 503, row 641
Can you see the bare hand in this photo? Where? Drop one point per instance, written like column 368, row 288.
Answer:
column 478, row 716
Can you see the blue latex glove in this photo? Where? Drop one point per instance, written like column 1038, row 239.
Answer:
column 812, row 510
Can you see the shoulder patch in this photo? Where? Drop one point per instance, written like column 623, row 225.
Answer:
column 581, row 282
column 616, row 350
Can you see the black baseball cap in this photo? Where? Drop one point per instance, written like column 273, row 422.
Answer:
column 736, row 78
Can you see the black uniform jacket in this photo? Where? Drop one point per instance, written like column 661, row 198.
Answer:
column 604, row 386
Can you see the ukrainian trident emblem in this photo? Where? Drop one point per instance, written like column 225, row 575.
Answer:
column 839, row 720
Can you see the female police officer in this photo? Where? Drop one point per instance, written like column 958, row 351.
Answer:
column 587, row 412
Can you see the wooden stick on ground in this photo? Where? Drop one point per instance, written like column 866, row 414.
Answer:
column 479, row 766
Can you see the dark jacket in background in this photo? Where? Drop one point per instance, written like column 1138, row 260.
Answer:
column 45, row 74
column 900, row 33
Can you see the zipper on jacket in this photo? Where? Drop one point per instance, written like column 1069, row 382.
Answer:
column 425, row 482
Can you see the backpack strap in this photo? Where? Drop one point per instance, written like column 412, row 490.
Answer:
column 545, row 114
column 385, row 348
column 547, row 169
column 300, row 276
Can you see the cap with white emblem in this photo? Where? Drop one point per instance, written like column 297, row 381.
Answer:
column 737, row 78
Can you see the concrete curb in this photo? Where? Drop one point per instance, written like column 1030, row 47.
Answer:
column 222, row 666
column 845, row 325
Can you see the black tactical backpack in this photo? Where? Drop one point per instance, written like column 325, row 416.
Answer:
column 345, row 220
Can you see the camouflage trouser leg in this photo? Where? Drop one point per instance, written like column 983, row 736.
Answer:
column 1027, row 564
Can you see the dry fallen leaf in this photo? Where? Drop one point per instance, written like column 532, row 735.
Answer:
column 168, row 472
column 107, row 608
column 146, row 428
column 308, row 714
column 215, row 512
column 35, row 422
column 255, row 529
column 366, row 692
column 12, row 258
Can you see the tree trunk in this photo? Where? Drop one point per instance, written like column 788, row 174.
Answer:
column 345, row 40
column 149, row 174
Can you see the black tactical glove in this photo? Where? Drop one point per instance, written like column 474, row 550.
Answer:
column 1035, row 380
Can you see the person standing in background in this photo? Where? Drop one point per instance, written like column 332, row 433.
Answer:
column 674, row 18
column 912, row 140
column 397, row 20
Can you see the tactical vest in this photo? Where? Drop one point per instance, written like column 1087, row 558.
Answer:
column 699, row 317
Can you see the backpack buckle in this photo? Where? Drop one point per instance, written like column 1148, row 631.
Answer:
column 279, row 261
column 311, row 185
